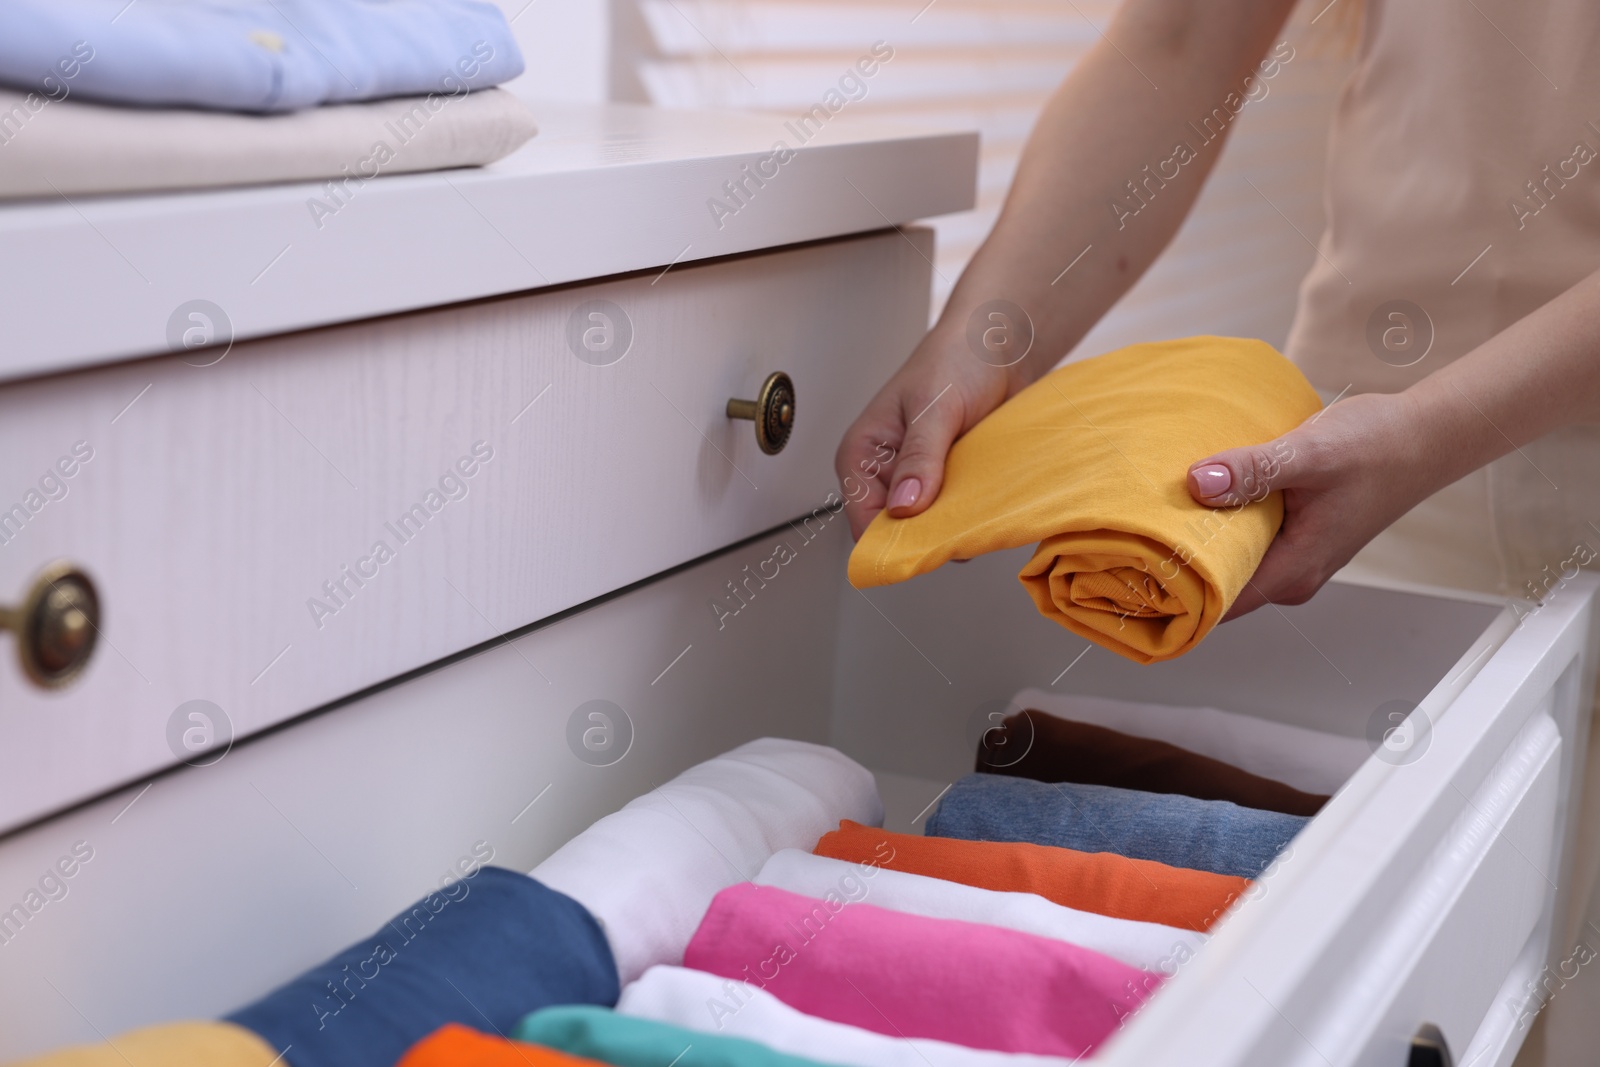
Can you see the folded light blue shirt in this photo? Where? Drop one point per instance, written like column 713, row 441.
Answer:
column 253, row 55
column 1180, row 831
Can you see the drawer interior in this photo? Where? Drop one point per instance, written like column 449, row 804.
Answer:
column 918, row 659
column 1422, row 891
column 920, row 664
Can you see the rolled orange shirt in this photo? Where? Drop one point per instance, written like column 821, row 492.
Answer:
column 453, row 1045
column 1101, row 882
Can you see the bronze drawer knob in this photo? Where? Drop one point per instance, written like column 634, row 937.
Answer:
column 772, row 412
column 56, row 626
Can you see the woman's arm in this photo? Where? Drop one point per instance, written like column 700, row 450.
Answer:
column 1361, row 464
column 1111, row 132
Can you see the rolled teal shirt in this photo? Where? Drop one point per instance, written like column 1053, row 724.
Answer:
column 626, row 1041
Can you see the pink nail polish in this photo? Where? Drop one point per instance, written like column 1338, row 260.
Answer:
column 1211, row 480
column 905, row 494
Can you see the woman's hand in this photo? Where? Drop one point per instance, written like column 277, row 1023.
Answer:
column 1349, row 471
column 1346, row 473
column 893, row 455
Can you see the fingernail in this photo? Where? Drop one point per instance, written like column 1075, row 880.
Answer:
column 905, row 494
column 1211, row 480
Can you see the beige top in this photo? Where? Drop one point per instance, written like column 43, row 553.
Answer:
column 1463, row 192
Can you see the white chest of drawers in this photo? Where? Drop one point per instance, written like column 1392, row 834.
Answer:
column 279, row 523
column 321, row 512
column 598, row 510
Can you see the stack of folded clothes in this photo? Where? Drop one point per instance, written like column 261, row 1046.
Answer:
column 100, row 96
column 750, row 913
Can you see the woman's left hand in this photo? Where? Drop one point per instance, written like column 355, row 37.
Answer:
column 1346, row 473
column 1357, row 466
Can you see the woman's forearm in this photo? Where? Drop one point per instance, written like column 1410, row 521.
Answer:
column 1538, row 375
column 1113, row 165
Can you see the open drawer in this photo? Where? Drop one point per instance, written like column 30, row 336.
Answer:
column 1423, row 893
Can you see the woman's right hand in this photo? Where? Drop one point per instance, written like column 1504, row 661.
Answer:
column 893, row 455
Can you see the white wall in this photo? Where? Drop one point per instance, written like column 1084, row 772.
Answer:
column 1234, row 268
column 566, row 44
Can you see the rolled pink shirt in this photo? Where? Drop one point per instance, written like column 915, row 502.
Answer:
column 912, row 976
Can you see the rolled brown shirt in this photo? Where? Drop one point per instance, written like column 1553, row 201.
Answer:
column 1053, row 749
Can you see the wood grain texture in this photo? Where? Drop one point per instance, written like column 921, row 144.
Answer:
column 222, row 881
column 222, row 503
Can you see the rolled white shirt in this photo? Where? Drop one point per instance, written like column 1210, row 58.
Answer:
column 710, row 1004
column 1151, row 946
column 648, row 872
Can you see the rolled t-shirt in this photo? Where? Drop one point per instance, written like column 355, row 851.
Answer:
column 1034, row 744
column 710, row 827
column 714, row 1005
column 911, row 976
column 1202, row 835
column 460, row 1046
column 626, row 1041
column 482, row 952
column 1148, row 946
column 1101, row 882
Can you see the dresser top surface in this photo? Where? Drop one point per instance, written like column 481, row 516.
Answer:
column 588, row 137
column 603, row 190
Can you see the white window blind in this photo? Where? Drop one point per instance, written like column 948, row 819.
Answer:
column 1235, row 266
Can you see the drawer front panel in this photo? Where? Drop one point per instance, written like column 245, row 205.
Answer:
column 1456, row 933
column 1415, row 894
column 1434, row 945
column 316, row 513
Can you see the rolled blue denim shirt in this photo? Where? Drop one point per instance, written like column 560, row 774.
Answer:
column 482, row 951
column 1203, row 835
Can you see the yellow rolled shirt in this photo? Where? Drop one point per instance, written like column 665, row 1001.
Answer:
column 182, row 1044
column 1092, row 462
